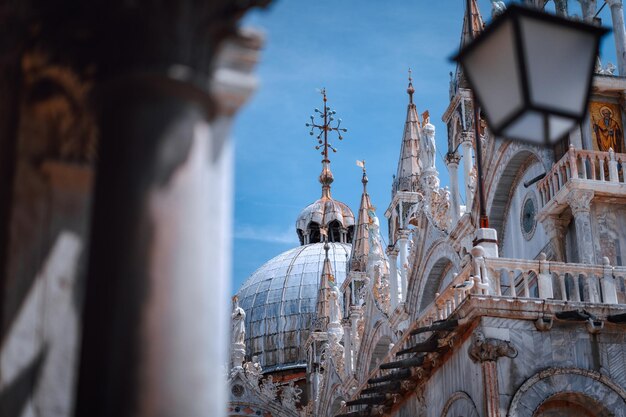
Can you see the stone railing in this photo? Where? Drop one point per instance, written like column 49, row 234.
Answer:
column 608, row 167
column 520, row 278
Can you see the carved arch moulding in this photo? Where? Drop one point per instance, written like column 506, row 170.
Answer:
column 460, row 404
column 551, row 382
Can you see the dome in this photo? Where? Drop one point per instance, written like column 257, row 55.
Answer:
column 326, row 212
column 280, row 298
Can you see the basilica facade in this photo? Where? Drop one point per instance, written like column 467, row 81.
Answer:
column 526, row 317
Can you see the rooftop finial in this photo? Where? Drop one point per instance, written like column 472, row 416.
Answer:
column 324, row 125
column 364, row 179
column 410, row 90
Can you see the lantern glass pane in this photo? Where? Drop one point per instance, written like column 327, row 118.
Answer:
column 558, row 64
column 560, row 126
column 527, row 127
column 493, row 70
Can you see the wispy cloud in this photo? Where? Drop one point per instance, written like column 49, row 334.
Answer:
column 266, row 234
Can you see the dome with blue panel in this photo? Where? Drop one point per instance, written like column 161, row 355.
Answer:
column 280, row 297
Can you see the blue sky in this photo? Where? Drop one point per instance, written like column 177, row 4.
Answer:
column 360, row 52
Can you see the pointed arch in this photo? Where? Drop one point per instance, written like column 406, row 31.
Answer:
column 440, row 260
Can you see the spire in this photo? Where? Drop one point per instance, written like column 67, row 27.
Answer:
column 324, row 125
column 327, row 281
column 360, row 242
column 408, row 164
column 477, row 24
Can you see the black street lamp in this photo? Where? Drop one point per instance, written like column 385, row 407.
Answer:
column 531, row 73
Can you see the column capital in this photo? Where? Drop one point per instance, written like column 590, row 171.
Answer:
column 403, row 234
column 453, row 158
column 554, row 226
column 392, row 251
column 580, row 201
column 615, row 3
column 487, row 349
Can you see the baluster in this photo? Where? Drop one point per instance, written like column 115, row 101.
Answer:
column 525, row 278
column 592, row 164
column 563, row 287
column 572, row 162
column 576, row 294
column 583, row 166
column 601, row 168
column 594, row 293
column 511, row 275
column 559, row 177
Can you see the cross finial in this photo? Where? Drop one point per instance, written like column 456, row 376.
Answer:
column 326, row 123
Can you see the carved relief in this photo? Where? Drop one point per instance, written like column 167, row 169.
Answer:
column 489, row 349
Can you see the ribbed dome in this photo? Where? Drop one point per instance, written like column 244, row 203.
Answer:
column 328, row 213
column 279, row 299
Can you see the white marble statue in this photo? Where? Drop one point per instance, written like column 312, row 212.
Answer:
column 429, row 149
column 290, row 395
column 335, row 308
column 238, row 318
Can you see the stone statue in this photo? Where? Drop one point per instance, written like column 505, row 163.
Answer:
column 489, row 349
column 253, row 370
column 238, row 328
column 268, row 387
column 290, row 395
column 497, row 8
column 429, row 148
column 335, row 309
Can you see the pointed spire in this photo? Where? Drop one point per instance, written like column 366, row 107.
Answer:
column 360, row 242
column 408, row 165
column 476, row 26
column 327, row 281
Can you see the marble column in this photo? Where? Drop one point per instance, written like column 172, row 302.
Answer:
column 619, row 33
column 580, row 203
column 156, row 314
column 347, row 346
column 589, row 9
column 403, row 243
column 556, row 229
column 452, row 161
column 392, row 254
column 468, row 165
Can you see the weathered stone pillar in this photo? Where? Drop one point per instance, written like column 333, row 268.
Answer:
column 486, row 351
column 392, row 254
column 608, row 283
column 452, row 161
column 156, row 305
column 580, row 203
column 589, row 9
column 468, row 165
column 347, row 346
column 555, row 228
column 403, row 243
column 619, row 33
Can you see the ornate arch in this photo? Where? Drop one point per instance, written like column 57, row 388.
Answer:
column 508, row 167
column 459, row 404
column 379, row 330
column 422, row 286
column 553, row 381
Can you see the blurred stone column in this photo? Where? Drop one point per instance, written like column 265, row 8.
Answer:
column 580, row 203
column 392, row 254
column 452, row 161
column 156, row 317
column 619, row 33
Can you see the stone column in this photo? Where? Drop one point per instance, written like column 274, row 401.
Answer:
column 347, row 346
column 156, row 316
column 403, row 243
column 452, row 161
column 392, row 254
column 589, row 9
column 468, row 164
column 486, row 351
column 555, row 228
column 619, row 33
column 580, row 203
